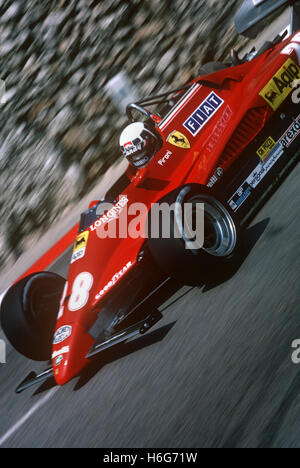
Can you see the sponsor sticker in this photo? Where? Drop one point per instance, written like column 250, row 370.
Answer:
column 58, row 360
column 166, row 157
column 291, row 134
column 281, row 85
column 255, row 178
column 80, row 246
column 218, row 130
column 114, row 280
column 62, row 334
column 111, row 214
column 266, row 148
column 200, row 117
column 240, row 196
column 217, row 175
column 178, row 139
column 64, row 350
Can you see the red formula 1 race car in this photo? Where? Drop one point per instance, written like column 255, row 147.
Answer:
column 224, row 141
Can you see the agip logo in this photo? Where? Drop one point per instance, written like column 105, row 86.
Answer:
column 281, row 85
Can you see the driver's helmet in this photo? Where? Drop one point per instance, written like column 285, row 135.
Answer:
column 139, row 143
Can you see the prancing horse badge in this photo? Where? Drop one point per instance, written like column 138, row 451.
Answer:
column 178, row 139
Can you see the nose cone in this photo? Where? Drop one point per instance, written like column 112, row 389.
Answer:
column 68, row 356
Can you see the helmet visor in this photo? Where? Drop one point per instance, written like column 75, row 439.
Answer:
column 139, row 159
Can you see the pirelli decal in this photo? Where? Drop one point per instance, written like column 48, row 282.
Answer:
column 281, row 85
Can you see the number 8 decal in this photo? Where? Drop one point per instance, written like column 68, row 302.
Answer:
column 80, row 291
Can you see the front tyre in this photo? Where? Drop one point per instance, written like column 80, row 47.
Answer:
column 29, row 311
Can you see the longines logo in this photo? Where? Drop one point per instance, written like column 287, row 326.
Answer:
column 2, row 352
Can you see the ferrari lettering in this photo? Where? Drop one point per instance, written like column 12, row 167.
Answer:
column 203, row 113
column 218, row 130
column 281, row 85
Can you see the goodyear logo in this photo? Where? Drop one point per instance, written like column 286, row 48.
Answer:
column 266, row 148
column 203, row 113
column 178, row 139
column 280, row 86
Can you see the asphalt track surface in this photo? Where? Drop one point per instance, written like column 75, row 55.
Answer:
column 215, row 372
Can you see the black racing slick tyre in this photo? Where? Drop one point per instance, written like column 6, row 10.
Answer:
column 219, row 248
column 29, row 311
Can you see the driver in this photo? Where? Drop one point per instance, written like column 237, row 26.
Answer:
column 139, row 143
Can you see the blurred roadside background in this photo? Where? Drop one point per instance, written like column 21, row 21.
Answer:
column 59, row 128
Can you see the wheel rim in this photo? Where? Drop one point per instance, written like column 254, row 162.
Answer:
column 220, row 235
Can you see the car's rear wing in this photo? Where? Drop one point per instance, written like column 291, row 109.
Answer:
column 254, row 15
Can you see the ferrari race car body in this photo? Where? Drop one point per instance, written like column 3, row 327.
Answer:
column 232, row 133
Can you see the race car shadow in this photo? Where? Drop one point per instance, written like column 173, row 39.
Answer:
column 120, row 351
column 251, row 236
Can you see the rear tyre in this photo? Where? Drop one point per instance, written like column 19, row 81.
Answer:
column 221, row 248
column 29, row 311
